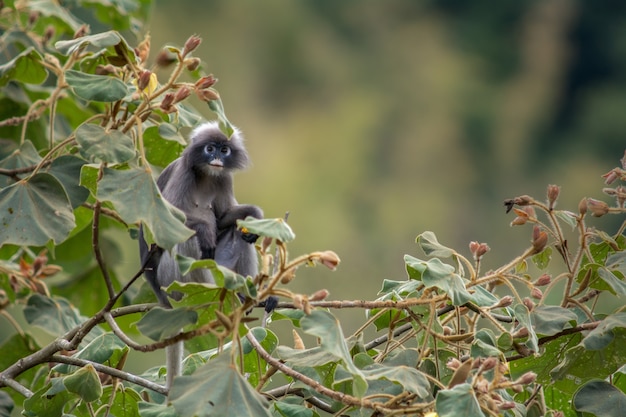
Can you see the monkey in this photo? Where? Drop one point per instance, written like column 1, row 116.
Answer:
column 200, row 184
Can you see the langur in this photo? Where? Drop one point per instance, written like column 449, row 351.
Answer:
column 200, row 183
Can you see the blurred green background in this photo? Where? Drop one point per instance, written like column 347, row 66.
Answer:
column 373, row 121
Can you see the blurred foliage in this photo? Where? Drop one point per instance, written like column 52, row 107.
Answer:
column 432, row 116
column 374, row 120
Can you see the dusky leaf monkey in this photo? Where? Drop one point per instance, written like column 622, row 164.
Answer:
column 200, row 184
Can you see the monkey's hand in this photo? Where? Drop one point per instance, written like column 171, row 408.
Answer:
column 270, row 303
column 248, row 237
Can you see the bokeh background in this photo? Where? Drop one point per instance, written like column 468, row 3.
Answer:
column 373, row 121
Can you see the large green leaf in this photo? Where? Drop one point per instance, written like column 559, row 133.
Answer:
column 580, row 365
column 102, row 349
column 523, row 316
column 26, row 67
column 326, row 327
column 54, row 9
column 458, row 402
column 431, row 246
column 274, row 228
column 137, row 199
column 601, row 399
column 218, row 108
column 25, row 156
column 110, row 146
column 216, row 389
column 66, row 169
column 549, row 320
column 616, row 285
column 408, row 377
column 91, row 87
column 603, row 335
column 435, row 273
column 162, row 144
column 98, row 40
column 34, row 212
column 44, row 404
column 55, row 315
column 85, row 383
column 160, row 323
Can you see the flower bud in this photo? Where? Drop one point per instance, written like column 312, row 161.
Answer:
column 543, row 280
column 530, row 304
column 206, row 82
column 523, row 200
column 540, row 239
column 32, row 18
column 598, row 208
column 553, row 194
column 621, row 195
column 191, row 44
column 181, row 94
column 478, row 249
column 165, row 58
column 507, row 405
column 582, row 206
column 81, row 31
column 453, row 363
column 505, row 301
column 143, row 49
column 207, row 95
column 489, row 363
column 298, row 343
column 107, row 69
column 48, row 34
column 288, row 276
column 610, row 176
column 520, row 334
column 329, row 259
column 536, row 293
column 192, row 64
column 144, row 80
column 319, row 295
column 527, row 378
column 167, row 102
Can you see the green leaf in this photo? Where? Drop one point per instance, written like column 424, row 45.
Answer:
column 458, row 402
column 414, row 267
column 443, row 276
column 55, row 315
column 253, row 365
column 91, row 87
column 162, row 144
column 549, row 320
column 53, row 9
column 274, row 228
column 580, row 365
column 85, row 383
column 409, row 378
column 216, row 389
column 35, row 211
column 25, row 156
column 523, row 316
column 616, row 285
column 285, row 409
column 431, row 246
column 600, row 337
column 99, row 40
column 600, row 398
column 160, row 323
column 542, row 259
column 66, row 169
column 137, row 199
column 156, row 410
column 567, row 217
column 218, row 108
column 326, row 327
column 43, row 404
column 26, row 67
column 100, row 350
column 107, row 146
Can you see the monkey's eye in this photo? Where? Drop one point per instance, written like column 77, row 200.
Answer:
column 209, row 149
column 225, row 150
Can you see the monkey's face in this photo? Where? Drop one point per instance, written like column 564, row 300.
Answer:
column 217, row 155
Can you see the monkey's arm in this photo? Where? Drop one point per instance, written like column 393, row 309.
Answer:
column 206, row 234
column 238, row 212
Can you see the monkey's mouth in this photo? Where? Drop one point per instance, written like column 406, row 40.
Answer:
column 216, row 163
